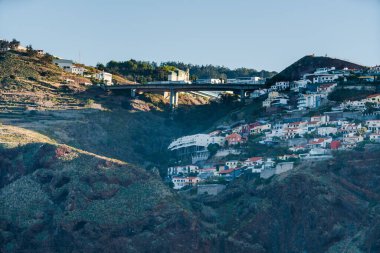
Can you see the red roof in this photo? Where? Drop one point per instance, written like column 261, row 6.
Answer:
column 335, row 144
column 234, row 135
column 255, row 159
column 227, row 171
column 318, row 141
column 373, row 96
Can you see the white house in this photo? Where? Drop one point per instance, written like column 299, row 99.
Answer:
column 325, row 78
column 183, row 170
column 260, row 128
column 275, row 98
column 323, row 119
column 309, row 101
column 232, row 164
column 372, row 99
column 105, row 77
column 246, row 80
column 326, row 88
column 254, row 161
column 179, row 76
column 64, row 64
column 325, row 131
column 180, row 182
column 278, row 86
column 374, row 137
column 209, row 81
column 258, row 93
column 373, row 126
column 198, row 140
column 323, row 70
column 76, row 69
column 297, row 85
column 375, row 70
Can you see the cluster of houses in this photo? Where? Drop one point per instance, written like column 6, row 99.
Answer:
column 191, row 175
column 312, row 88
column 309, row 139
column 304, row 138
column 78, row 69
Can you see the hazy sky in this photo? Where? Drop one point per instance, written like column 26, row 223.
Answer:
column 265, row 34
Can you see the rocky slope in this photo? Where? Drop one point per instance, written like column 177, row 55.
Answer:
column 56, row 198
column 323, row 207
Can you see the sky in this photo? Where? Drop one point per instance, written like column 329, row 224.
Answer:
column 259, row 34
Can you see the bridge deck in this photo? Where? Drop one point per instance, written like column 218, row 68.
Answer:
column 186, row 87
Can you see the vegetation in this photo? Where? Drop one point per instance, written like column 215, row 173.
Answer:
column 340, row 95
column 142, row 71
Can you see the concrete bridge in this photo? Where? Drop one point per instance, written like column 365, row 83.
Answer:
column 175, row 88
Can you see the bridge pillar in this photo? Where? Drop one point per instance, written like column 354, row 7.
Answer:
column 133, row 93
column 173, row 99
column 242, row 96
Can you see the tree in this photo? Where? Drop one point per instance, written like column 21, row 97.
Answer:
column 213, row 148
column 100, row 66
column 47, row 58
column 30, row 51
column 4, row 44
column 14, row 44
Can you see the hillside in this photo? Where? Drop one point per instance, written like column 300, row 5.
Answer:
column 319, row 207
column 72, row 177
column 309, row 64
column 58, row 198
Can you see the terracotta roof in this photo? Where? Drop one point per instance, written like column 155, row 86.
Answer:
column 255, row 159
column 234, row 135
column 373, row 96
column 227, row 171
column 318, row 141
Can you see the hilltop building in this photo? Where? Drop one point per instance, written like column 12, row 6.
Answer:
column 179, row 76
column 63, row 64
column 105, row 77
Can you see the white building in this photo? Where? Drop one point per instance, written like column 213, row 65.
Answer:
column 200, row 140
column 323, row 70
column 374, row 137
column 180, row 182
column 300, row 84
column 279, row 86
column 374, row 70
column 209, row 81
column 75, row 69
column 326, row 88
column 322, row 119
column 325, row 131
column 105, row 77
column 246, row 80
column 232, row 164
column 373, row 126
column 275, row 99
column 317, row 154
column 325, row 78
column 259, row 93
column 306, row 101
column 64, row 64
column 179, row 76
column 21, row 48
column 187, row 169
column 195, row 146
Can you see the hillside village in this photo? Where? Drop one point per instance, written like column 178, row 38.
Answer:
column 303, row 124
column 311, row 128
